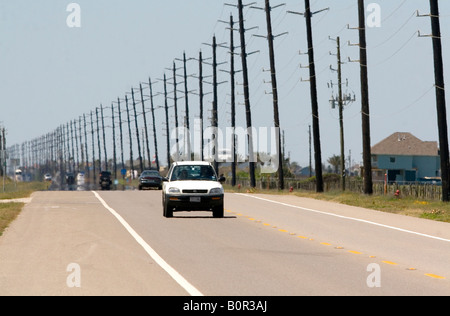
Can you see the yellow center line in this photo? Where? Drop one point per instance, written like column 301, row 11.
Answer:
column 435, row 276
column 390, row 262
column 431, row 275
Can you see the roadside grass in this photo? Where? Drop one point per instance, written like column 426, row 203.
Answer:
column 10, row 210
column 20, row 189
column 428, row 209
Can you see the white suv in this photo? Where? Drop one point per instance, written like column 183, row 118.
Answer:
column 192, row 186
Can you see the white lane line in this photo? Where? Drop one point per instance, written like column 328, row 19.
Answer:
column 347, row 217
column 152, row 253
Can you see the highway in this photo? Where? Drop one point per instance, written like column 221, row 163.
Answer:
column 118, row 243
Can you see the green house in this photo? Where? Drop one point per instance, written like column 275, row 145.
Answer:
column 402, row 157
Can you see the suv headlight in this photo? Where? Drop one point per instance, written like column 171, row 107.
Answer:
column 174, row 190
column 216, row 191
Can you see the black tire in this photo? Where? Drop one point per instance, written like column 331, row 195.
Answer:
column 218, row 211
column 167, row 209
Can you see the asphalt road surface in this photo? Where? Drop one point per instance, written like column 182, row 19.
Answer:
column 118, row 243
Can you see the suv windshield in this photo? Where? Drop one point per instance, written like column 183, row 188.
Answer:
column 193, row 172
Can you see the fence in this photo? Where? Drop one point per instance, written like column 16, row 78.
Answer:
column 426, row 191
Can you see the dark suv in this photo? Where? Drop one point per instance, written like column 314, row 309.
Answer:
column 105, row 180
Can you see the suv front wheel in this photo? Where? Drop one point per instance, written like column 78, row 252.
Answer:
column 218, row 211
column 167, row 209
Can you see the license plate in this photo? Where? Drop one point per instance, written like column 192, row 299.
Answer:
column 194, row 199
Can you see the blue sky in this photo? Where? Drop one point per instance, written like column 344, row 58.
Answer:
column 51, row 74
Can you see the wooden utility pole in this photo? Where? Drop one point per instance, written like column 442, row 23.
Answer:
column 440, row 99
column 144, row 114
column 341, row 111
column 313, row 90
column 93, row 154
column 248, row 116
column 130, row 138
column 214, row 122
column 187, row 132
column 365, row 113
column 104, row 137
column 314, row 104
column 200, row 82
column 270, row 37
column 98, row 142
column 114, row 141
column 166, row 108
column 121, row 133
column 233, row 104
column 141, row 164
column 86, row 147
column 155, row 139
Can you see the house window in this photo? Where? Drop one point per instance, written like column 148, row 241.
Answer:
column 392, row 159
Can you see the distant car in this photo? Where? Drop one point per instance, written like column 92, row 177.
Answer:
column 70, row 180
column 47, row 177
column 150, row 179
column 80, row 179
column 105, row 180
column 192, row 186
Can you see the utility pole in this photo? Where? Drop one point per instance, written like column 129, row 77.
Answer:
column 167, row 122
column 98, row 142
column 187, row 132
column 76, row 145
column 86, row 149
column 342, row 101
column 214, row 108
column 440, row 98
column 73, row 149
column 200, row 93
column 270, row 37
column 114, row 141
column 130, row 137
column 121, row 133
column 93, row 152
column 242, row 30
column 175, row 105
column 154, row 125
column 214, row 118
column 104, row 138
column 310, row 154
column 141, row 165
column 232, row 73
column 365, row 113
column 313, row 90
column 82, row 146
column 145, row 127
column 341, row 112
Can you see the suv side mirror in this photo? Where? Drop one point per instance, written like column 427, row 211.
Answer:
column 222, row 179
column 164, row 179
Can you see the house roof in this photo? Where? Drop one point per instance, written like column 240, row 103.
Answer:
column 405, row 144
